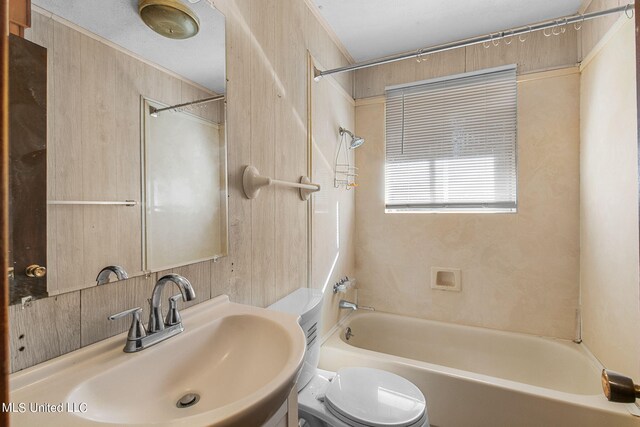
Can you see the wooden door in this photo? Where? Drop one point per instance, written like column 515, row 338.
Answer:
column 27, row 169
column 4, row 206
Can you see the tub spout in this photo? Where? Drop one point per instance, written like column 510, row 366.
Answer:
column 347, row 304
column 352, row 306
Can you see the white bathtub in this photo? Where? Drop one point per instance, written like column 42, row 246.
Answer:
column 481, row 377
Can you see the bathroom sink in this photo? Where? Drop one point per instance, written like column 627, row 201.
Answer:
column 234, row 365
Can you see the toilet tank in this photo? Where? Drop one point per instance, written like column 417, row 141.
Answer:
column 306, row 303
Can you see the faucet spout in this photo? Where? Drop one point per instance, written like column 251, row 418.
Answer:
column 347, row 304
column 156, row 322
column 353, row 306
column 157, row 330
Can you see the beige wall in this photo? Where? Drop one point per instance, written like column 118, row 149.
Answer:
column 609, row 202
column 333, row 208
column 267, row 44
column 519, row 271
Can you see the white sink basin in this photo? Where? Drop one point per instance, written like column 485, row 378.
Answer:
column 241, row 361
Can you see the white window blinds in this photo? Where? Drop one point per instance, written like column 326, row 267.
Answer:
column 451, row 143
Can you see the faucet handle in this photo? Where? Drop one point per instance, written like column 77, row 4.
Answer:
column 173, row 315
column 136, row 330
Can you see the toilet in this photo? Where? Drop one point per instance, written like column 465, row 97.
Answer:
column 351, row 397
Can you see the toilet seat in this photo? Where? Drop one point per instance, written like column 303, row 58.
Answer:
column 366, row 397
column 352, row 397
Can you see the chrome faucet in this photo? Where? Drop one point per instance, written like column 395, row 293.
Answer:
column 352, row 306
column 155, row 316
column 157, row 330
column 346, row 304
column 105, row 273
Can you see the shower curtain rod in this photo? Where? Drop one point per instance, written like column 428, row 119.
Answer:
column 153, row 111
column 559, row 23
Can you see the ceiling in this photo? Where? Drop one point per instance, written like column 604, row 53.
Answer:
column 200, row 59
column 371, row 29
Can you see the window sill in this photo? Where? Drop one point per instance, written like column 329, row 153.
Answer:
column 451, row 211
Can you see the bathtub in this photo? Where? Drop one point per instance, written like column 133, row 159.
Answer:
column 481, row 377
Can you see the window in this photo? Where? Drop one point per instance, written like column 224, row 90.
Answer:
column 451, row 144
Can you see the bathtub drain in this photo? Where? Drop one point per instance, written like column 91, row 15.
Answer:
column 188, row 400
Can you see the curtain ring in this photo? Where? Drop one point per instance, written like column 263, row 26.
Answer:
column 419, row 55
column 579, row 27
column 556, row 27
column 627, row 9
column 545, row 32
column 522, row 40
column 508, row 39
column 487, row 44
column 496, row 42
column 563, row 27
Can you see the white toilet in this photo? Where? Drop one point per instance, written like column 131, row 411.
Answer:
column 351, row 397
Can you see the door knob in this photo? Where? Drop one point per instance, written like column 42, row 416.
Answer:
column 35, row 270
column 619, row 388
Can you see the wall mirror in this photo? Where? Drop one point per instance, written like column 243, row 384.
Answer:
column 122, row 167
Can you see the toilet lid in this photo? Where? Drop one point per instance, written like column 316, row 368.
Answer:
column 375, row 398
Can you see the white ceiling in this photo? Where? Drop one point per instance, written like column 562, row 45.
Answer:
column 200, row 59
column 375, row 28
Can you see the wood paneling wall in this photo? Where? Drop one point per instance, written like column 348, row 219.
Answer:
column 536, row 53
column 592, row 31
column 267, row 45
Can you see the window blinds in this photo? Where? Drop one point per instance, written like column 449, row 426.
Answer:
column 451, row 143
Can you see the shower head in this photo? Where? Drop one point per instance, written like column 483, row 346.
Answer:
column 356, row 141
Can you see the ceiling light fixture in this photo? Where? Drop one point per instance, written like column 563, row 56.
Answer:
column 169, row 18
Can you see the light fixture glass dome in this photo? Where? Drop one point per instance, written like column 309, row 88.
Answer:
column 169, row 18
